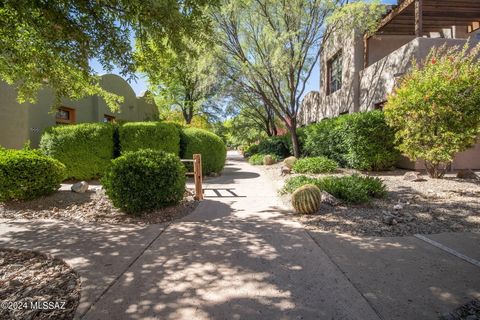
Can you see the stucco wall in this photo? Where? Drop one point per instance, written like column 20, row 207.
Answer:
column 379, row 46
column 13, row 118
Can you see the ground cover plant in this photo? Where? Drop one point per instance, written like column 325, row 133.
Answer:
column 353, row 189
column 258, row 159
column 85, row 149
column 145, row 179
column 315, row 165
column 28, row 174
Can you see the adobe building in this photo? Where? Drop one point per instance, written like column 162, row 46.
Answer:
column 24, row 122
column 358, row 72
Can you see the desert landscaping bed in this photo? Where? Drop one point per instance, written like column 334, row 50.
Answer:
column 90, row 206
column 36, row 286
column 427, row 206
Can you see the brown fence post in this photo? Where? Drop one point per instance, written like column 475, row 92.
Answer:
column 197, row 171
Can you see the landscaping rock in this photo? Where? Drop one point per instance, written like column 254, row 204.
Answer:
column 467, row 174
column 285, row 171
column 397, row 207
column 268, row 160
column 329, row 199
column 413, row 176
column 80, row 187
column 389, row 219
column 289, row 162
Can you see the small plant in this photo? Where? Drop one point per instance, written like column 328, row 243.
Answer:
column 144, row 180
column 315, row 165
column 28, row 174
column 435, row 111
column 353, row 189
column 294, row 183
column 307, row 199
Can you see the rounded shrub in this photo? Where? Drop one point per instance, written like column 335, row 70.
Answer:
column 307, row 199
column 277, row 145
column 144, row 180
column 315, row 165
column 209, row 145
column 28, row 174
column 162, row 136
column 353, row 189
column 85, row 149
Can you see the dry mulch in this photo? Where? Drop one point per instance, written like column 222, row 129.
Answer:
column 28, row 277
column 429, row 206
column 469, row 311
column 91, row 206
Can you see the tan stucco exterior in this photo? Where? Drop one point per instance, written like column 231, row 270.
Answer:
column 366, row 84
column 22, row 122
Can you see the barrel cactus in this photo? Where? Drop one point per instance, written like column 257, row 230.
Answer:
column 289, row 162
column 307, row 199
column 268, row 160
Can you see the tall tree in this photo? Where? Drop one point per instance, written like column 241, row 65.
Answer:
column 50, row 43
column 182, row 77
column 270, row 47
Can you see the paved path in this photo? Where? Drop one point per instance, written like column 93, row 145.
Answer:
column 239, row 256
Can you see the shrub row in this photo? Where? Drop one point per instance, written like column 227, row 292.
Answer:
column 361, row 140
column 87, row 149
column 354, row 189
column 27, row 174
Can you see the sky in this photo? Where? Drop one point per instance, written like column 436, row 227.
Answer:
column 141, row 84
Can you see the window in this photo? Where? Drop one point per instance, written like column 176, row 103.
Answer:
column 65, row 115
column 334, row 73
column 107, row 118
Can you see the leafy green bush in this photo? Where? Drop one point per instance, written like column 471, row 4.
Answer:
column 327, row 139
column 85, row 149
column 296, row 182
column 149, row 135
column 144, row 180
column 436, row 109
column 209, row 145
column 315, row 165
column 28, row 174
column 250, row 150
column 257, row 159
column 354, row 189
column 360, row 140
column 275, row 146
column 370, row 142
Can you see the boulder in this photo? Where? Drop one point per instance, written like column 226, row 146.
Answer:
column 413, row 176
column 268, row 160
column 80, row 187
column 329, row 199
column 285, row 170
column 467, row 174
column 289, row 162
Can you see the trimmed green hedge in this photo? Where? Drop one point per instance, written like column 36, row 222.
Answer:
column 144, row 180
column 134, row 136
column 85, row 149
column 361, row 140
column 28, row 174
column 209, row 145
column 354, row 189
column 315, row 165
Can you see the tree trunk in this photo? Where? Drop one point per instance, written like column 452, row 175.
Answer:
column 294, row 136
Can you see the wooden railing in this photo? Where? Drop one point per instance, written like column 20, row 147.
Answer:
column 197, row 174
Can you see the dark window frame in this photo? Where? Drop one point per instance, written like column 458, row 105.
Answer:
column 335, row 73
column 71, row 116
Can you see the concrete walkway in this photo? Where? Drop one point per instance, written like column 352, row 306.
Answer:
column 239, row 256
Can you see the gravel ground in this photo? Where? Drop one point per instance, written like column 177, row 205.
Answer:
column 469, row 311
column 428, row 206
column 27, row 278
column 91, row 206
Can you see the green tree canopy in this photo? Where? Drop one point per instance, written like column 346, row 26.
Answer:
column 50, row 43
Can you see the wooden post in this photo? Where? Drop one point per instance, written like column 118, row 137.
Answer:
column 197, row 172
column 418, row 18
